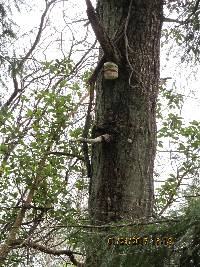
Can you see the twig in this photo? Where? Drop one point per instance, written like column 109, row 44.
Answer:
column 38, row 36
column 65, row 77
column 60, row 153
column 20, row 64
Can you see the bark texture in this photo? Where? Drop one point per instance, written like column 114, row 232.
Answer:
column 121, row 186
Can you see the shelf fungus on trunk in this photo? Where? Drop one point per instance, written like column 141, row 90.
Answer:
column 110, row 71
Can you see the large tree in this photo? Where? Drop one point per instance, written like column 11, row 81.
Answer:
column 129, row 33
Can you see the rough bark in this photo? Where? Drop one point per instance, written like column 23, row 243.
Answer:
column 121, row 186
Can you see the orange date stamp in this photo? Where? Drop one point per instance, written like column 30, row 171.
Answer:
column 142, row 240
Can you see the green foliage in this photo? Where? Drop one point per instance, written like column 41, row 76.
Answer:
column 42, row 124
column 185, row 32
column 64, row 66
column 158, row 244
column 185, row 142
column 175, row 33
column 5, row 25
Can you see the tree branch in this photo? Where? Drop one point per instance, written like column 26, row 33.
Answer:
column 172, row 195
column 60, row 153
column 99, row 139
column 96, row 71
column 41, row 248
column 38, row 36
column 86, row 131
column 119, row 34
column 194, row 10
column 6, row 247
column 173, row 20
column 188, row 18
column 20, row 64
column 108, row 47
column 14, row 94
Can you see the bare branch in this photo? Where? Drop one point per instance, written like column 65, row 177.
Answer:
column 38, row 36
column 99, row 139
column 173, row 20
column 20, row 64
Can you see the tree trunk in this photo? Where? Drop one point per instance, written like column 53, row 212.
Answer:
column 121, row 186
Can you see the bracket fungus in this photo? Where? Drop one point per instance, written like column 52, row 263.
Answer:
column 110, row 71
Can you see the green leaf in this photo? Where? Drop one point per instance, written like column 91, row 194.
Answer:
column 29, row 112
column 63, row 83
